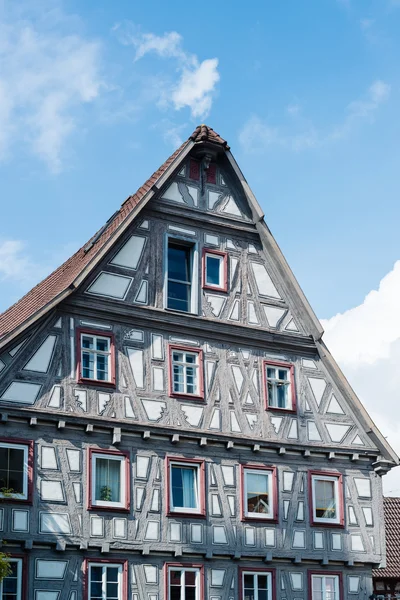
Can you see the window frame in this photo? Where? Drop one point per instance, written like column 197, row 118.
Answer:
column 223, row 267
column 112, row 367
column 101, row 562
column 199, row 352
column 273, row 486
column 337, row 574
column 254, row 570
column 92, row 504
column 328, row 475
column 290, row 368
column 28, row 447
column 194, row 281
column 199, row 513
column 184, row 566
column 22, row 575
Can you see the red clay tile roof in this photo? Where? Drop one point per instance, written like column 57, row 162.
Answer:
column 203, row 133
column 391, row 508
column 58, row 281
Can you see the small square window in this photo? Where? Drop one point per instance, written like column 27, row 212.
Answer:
column 326, row 499
column 186, row 372
column 14, row 471
column 258, row 493
column 256, row 585
column 215, row 270
column 186, row 487
column 11, row 586
column 109, row 480
column 325, row 586
column 184, row 582
column 96, row 358
column 106, row 580
column 279, row 386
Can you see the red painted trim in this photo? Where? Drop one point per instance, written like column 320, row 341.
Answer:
column 96, row 382
column 242, row 570
column 30, row 445
column 211, row 173
column 168, row 566
column 194, row 169
column 24, row 574
column 225, row 275
column 289, row 366
column 202, row 487
column 258, row 467
column 328, row 573
column 337, row 476
column 88, row 561
column 171, row 392
column 127, row 504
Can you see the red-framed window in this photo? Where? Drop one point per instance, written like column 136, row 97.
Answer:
column 258, row 584
column 14, row 585
column 105, row 579
column 215, row 270
column 186, row 379
column 258, row 493
column 95, row 353
column 194, row 169
column 186, row 494
column 325, row 585
column 184, row 581
column 211, row 173
column 279, row 386
column 326, row 499
column 16, row 470
column 108, row 480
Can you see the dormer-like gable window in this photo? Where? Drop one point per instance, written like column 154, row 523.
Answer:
column 95, row 357
column 180, row 275
column 279, row 385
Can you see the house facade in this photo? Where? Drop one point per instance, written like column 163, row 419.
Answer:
column 172, row 426
column 387, row 580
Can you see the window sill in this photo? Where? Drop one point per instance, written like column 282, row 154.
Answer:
column 5, row 499
column 247, row 519
column 187, row 397
column 94, row 507
column 96, row 382
column 281, row 410
column 223, row 290
column 191, row 515
column 330, row 525
column 181, row 312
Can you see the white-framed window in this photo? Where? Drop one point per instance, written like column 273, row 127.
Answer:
column 215, row 270
column 183, row 583
column 279, row 383
column 186, row 372
column 108, row 480
column 96, row 357
column 14, row 470
column 258, row 496
column 11, row 586
column 325, row 587
column 105, row 581
column 326, row 499
column 256, row 585
column 185, row 487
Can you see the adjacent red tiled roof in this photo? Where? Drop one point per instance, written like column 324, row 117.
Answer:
column 203, row 133
column 58, row 281
column 391, row 508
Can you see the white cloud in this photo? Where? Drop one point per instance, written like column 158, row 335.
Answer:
column 365, row 341
column 48, row 73
column 197, row 81
column 258, row 134
column 15, row 264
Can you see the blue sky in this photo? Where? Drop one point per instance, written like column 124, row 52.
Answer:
column 95, row 95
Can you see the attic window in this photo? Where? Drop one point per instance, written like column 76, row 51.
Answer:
column 215, row 270
column 181, row 274
column 96, row 357
column 194, row 169
column 279, row 386
column 211, row 173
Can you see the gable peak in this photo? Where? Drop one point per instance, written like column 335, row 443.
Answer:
column 203, row 133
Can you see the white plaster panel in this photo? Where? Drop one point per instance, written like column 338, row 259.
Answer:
column 154, row 409
column 74, row 459
column 215, row 505
column 181, row 230
column 110, row 285
column 249, row 536
column 158, row 379
column 213, row 198
column 231, row 503
column 263, row 281
column 286, row 506
column 291, row 326
column 142, row 295
column 234, row 316
column 367, row 510
column 193, row 414
column 21, row 392
column 293, row 434
column 334, row 407
column 235, row 427
column 119, row 527
column 296, row 580
column 212, row 240
column 318, row 540
column 238, row 377
column 228, row 474
column 155, row 500
column 216, row 419
column 358, row 441
column 308, row 363
column 172, row 193
column 318, row 388
column 150, row 574
column 142, row 466
column 81, row 399
column 270, row 537
column 152, row 530
column 219, row 534
column 337, row 431
column 175, row 532
column 353, row 584
column 46, row 595
column 312, row 431
column 336, row 540
column 276, row 423
column 157, row 346
column 363, row 486
column 2, row 365
column 20, row 520
column 103, row 401
column 196, row 533
column 96, row 526
column 76, row 486
column 50, row 569
column 193, row 192
column 139, row 497
column 251, row 313
column 300, row 511
column 55, row 398
column 54, row 523
column 216, row 302
column 17, row 348
column 129, row 412
column 144, row 224
column 356, row 543
column 48, row 458
column 136, row 361
column 352, row 516
column 230, row 207
column 288, row 477
column 51, row 490
column 217, row 577
column 273, row 314
column 130, row 253
column 299, row 539
column 40, row 361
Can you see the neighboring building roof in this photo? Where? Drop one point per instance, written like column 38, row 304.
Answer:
column 391, row 508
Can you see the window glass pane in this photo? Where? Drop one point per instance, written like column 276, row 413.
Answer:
column 190, row 578
column 179, row 262
column 87, row 365
column 87, row 342
column 257, row 493
column 175, row 577
column 108, row 480
column 178, row 296
column 184, row 487
column 102, row 367
column 271, row 373
column 112, row 574
column 213, row 270
column 262, row 581
column 12, row 469
column 178, row 379
column 325, row 502
column 102, row 344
